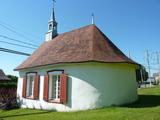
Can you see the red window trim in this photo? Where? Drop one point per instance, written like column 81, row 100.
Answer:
column 55, row 70
column 24, row 87
column 49, row 101
column 52, row 101
column 45, row 87
column 31, row 72
column 30, row 98
column 36, row 73
column 63, row 87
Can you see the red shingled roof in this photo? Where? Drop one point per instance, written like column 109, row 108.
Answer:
column 81, row 45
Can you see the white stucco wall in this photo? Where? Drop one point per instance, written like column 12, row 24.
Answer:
column 90, row 85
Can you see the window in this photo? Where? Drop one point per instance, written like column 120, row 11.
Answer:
column 30, row 87
column 54, row 86
column 30, row 84
column 50, row 27
column 54, row 28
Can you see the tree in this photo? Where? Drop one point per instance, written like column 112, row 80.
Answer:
column 13, row 78
column 141, row 74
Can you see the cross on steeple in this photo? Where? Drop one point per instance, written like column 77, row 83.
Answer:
column 53, row 2
column 52, row 25
column 53, row 16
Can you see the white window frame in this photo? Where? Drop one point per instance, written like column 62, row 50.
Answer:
column 30, row 85
column 54, row 91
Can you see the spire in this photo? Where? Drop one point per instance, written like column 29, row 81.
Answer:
column 52, row 25
column 93, row 19
column 52, row 14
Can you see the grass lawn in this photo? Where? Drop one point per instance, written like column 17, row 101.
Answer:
column 147, row 108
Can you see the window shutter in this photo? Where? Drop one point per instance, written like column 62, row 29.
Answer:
column 36, row 87
column 45, row 91
column 24, row 87
column 63, row 88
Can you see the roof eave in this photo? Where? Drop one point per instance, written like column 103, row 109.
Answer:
column 19, row 69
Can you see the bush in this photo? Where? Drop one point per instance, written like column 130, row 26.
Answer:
column 13, row 78
column 8, row 85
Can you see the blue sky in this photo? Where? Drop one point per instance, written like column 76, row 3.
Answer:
column 133, row 25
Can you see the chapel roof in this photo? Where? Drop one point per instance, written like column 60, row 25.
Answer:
column 86, row 44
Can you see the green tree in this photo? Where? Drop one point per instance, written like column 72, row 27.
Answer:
column 141, row 74
column 13, row 78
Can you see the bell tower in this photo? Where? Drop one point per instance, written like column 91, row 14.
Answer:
column 52, row 26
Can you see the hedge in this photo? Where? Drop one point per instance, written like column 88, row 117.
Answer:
column 8, row 85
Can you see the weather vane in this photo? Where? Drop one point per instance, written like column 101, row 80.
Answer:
column 93, row 19
column 53, row 2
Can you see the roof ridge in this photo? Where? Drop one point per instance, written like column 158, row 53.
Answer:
column 111, row 43
column 93, row 41
column 74, row 30
column 122, row 55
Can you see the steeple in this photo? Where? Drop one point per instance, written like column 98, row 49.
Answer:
column 52, row 26
column 93, row 19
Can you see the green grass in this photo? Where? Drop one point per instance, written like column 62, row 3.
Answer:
column 147, row 108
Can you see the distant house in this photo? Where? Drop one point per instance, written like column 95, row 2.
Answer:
column 157, row 77
column 77, row 70
column 3, row 77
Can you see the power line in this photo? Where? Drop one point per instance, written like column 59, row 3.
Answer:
column 17, row 45
column 152, row 67
column 12, row 27
column 3, row 36
column 19, row 34
column 14, row 52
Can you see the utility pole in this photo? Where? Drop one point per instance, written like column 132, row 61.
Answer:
column 129, row 54
column 148, row 65
column 158, row 62
column 141, row 71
